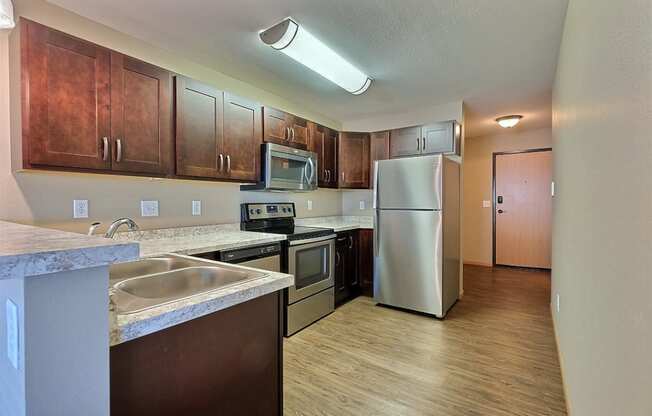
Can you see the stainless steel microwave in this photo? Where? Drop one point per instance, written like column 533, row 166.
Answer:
column 285, row 169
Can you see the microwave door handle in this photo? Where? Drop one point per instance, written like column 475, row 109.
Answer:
column 312, row 170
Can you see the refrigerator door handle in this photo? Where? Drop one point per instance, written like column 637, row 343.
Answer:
column 376, row 233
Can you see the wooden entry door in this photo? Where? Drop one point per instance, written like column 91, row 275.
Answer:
column 523, row 209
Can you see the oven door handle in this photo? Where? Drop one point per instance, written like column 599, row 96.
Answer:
column 312, row 240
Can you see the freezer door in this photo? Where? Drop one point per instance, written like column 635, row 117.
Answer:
column 408, row 260
column 409, row 183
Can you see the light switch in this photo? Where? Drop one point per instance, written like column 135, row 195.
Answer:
column 80, row 208
column 486, row 204
column 309, row 205
column 196, row 207
column 361, row 205
column 149, row 208
column 12, row 333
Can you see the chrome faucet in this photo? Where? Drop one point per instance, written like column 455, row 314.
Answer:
column 113, row 228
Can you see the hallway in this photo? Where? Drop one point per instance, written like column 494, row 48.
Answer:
column 495, row 354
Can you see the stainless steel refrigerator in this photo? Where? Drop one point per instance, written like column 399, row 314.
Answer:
column 417, row 233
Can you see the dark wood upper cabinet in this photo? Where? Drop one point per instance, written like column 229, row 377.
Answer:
column 379, row 150
column 284, row 128
column 199, row 129
column 298, row 132
column 243, row 133
column 330, row 158
column 141, row 116
column 66, row 99
column 323, row 141
column 89, row 108
column 405, row 141
column 353, row 160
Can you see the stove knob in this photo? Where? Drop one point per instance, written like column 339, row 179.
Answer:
column 251, row 211
column 284, row 209
column 258, row 211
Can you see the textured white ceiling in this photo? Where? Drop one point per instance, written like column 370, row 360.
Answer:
column 497, row 55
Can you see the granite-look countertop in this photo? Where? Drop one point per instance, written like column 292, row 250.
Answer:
column 195, row 240
column 338, row 223
column 125, row 327
column 30, row 251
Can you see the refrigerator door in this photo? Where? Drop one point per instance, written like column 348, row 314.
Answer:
column 409, row 183
column 407, row 260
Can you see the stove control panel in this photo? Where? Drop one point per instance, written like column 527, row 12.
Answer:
column 266, row 211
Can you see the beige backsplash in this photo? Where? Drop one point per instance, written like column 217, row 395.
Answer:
column 45, row 198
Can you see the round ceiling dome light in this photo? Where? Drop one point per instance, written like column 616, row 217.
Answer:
column 507, row 122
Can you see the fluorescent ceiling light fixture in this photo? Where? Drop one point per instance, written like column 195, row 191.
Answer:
column 6, row 14
column 299, row 44
column 507, row 122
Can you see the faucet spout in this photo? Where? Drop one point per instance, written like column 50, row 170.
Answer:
column 113, row 228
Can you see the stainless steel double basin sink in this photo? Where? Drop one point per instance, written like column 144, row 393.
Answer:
column 154, row 281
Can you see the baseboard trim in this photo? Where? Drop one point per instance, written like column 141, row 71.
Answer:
column 477, row 263
column 561, row 361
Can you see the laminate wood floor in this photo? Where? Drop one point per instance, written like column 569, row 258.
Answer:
column 494, row 354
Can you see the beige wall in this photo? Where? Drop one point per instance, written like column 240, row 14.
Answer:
column 477, row 239
column 602, row 231
column 45, row 198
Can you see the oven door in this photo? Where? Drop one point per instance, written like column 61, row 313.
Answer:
column 312, row 265
column 290, row 169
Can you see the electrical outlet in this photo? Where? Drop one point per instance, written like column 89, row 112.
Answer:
column 196, row 207
column 558, row 302
column 80, row 208
column 486, row 204
column 149, row 208
column 309, row 205
column 12, row 333
column 361, row 205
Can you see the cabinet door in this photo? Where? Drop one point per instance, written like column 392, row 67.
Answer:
column 199, row 129
column 379, row 150
column 66, row 99
column 366, row 261
column 242, row 137
column 439, row 138
column 316, row 134
column 405, row 142
column 275, row 126
column 330, row 158
column 341, row 264
column 141, row 116
column 352, row 264
column 298, row 132
column 353, row 160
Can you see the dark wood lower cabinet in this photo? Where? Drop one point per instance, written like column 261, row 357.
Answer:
column 226, row 363
column 366, row 261
column 347, row 283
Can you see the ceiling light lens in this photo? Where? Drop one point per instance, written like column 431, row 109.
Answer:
column 300, row 45
column 508, row 122
column 6, row 14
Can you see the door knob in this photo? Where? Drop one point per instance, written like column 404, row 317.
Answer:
column 500, row 211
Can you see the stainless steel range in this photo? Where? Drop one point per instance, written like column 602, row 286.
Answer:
column 308, row 254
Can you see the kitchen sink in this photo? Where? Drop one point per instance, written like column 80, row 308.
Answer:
column 151, row 282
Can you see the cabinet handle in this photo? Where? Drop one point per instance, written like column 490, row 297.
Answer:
column 328, row 175
column 118, row 156
column 342, row 176
column 292, row 133
column 423, row 146
column 105, row 148
column 418, row 142
column 221, row 162
column 228, row 163
column 287, row 133
column 350, row 242
column 337, row 258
